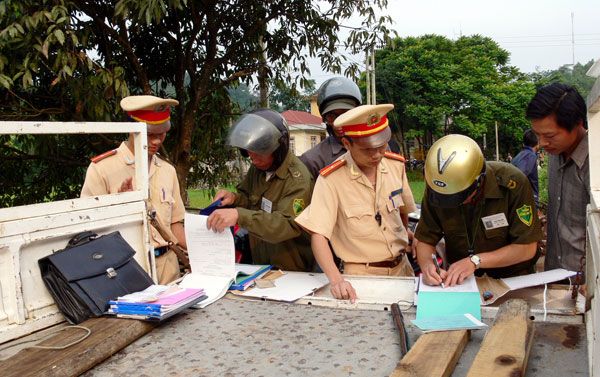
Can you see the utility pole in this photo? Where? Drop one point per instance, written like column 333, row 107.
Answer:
column 497, row 146
column 373, row 94
column 573, row 37
column 368, row 78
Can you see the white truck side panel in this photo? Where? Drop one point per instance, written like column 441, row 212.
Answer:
column 593, row 233
column 30, row 232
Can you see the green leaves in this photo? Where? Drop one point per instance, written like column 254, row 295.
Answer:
column 439, row 86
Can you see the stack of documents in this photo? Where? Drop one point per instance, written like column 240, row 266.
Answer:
column 246, row 274
column 450, row 308
column 155, row 303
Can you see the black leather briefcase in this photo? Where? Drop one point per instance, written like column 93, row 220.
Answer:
column 89, row 272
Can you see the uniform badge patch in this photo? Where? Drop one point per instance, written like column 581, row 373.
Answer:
column 525, row 214
column 298, row 206
column 512, row 184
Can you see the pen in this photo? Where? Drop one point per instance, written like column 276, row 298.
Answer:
column 163, row 190
column 437, row 267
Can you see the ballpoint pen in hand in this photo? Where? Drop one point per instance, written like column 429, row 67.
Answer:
column 437, row 267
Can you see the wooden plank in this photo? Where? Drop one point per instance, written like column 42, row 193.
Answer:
column 108, row 336
column 447, row 346
column 505, row 348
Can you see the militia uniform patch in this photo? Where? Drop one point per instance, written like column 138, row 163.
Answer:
column 525, row 214
column 512, row 184
column 298, row 206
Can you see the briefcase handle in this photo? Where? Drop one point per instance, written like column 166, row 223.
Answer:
column 81, row 238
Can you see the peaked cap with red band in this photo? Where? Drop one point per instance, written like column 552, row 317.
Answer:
column 149, row 109
column 367, row 122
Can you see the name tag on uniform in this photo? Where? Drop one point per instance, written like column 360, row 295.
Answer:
column 494, row 221
column 266, row 205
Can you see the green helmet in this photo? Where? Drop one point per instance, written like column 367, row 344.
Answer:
column 454, row 169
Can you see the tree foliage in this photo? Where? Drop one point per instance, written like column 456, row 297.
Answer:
column 75, row 59
column 283, row 97
column 572, row 75
column 440, row 86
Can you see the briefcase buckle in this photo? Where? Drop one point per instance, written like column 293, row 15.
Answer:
column 111, row 272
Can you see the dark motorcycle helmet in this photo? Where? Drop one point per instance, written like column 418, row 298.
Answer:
column 338, row 93
column 263, row 131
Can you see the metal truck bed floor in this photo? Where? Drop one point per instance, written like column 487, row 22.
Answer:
column 257, row 338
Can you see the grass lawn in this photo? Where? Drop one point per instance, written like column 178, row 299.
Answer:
column 203, row 198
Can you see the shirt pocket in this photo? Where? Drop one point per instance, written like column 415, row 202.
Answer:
column 166, row 203
column 394, row 203
column 495, row 233
column 359, row 219
column 393, row 218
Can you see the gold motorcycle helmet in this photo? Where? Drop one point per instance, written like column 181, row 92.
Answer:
column 454, row 169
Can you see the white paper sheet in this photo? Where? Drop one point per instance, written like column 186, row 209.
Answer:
column 290, row 287
column 212, row 259
column 468, row 285
column 214, row 287
column 210, row 253
column 531, row 280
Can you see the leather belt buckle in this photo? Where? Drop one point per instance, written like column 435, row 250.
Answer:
column 388, row 263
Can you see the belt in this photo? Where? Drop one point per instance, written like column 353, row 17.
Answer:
column 387, row 263
column 160, row 251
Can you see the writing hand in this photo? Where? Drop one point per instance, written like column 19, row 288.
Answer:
column 430, row 275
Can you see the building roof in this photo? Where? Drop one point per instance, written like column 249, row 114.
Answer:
column 294, row 117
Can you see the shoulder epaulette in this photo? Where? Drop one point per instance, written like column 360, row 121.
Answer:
column 395, row 156
column 103, row 156
column 332, row 167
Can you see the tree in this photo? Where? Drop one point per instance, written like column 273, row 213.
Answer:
column 439, row 86
column 75, row 60
column 572, row 75
column 284, row 98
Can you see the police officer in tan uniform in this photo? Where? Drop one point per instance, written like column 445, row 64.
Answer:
column 114, row 172
column 485, row 211
column 275, row 190
column 361, row 203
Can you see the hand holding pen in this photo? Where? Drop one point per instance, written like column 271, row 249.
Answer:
column 437, row 267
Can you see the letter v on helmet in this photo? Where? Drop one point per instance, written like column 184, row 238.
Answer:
column 443, row 163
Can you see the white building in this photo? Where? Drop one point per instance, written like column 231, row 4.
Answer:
column 306, row 130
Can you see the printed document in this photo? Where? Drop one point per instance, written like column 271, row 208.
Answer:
column 212, row 259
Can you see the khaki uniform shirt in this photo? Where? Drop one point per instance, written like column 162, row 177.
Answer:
column 568, row 197
column 506, row 191
column 267, row 209
column 344, row 206
column 107, row 175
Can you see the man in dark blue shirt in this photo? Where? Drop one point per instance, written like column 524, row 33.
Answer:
column 526, row 160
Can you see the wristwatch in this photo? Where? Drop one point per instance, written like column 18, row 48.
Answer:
column 476, row 260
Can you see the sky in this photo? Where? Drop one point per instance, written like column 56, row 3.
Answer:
column 537, row 33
